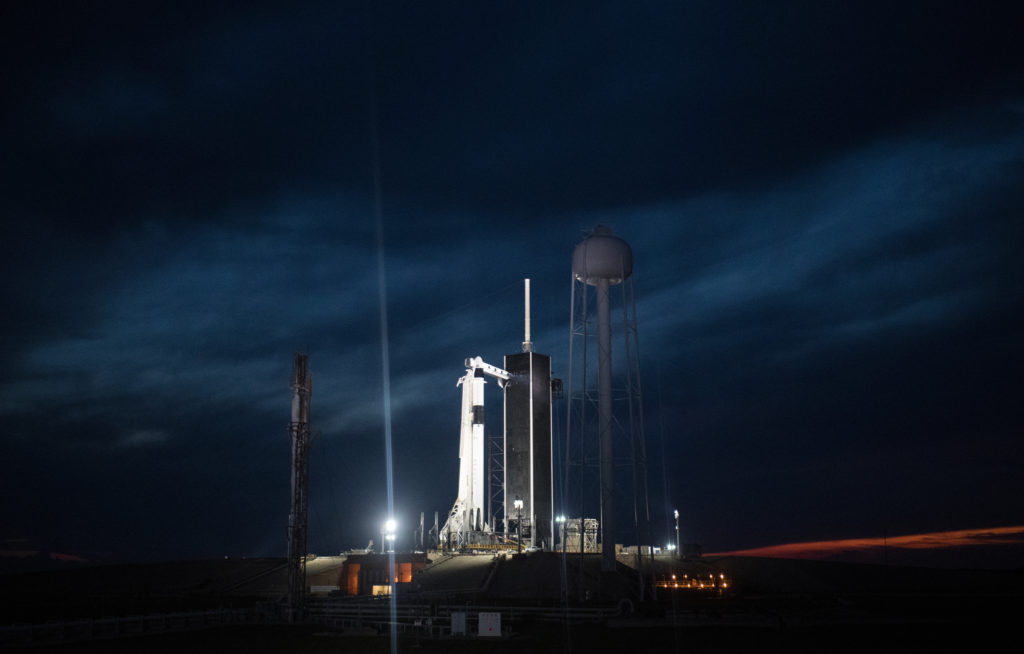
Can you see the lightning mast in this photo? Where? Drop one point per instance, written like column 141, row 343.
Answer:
column 298, row 517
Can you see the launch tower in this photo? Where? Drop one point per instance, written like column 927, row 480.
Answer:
column 528, row 461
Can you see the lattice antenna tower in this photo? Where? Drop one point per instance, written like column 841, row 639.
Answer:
column 298, row 516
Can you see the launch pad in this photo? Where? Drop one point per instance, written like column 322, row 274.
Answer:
column 526, row 494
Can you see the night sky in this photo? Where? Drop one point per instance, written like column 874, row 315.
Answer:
column 824, row 202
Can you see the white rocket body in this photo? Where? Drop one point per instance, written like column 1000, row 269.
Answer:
column 471, row 496
column 468, row 514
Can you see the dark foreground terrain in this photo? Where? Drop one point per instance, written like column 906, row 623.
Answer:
column 769, row 606
column 307, row 639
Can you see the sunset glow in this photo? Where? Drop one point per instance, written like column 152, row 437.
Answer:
column 934, row 540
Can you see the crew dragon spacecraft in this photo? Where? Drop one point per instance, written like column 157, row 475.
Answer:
column 528, row 478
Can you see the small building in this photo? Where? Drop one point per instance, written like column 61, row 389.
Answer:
column 370, row 574
column 323, row 574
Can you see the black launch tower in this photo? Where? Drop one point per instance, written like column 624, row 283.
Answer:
column 528, row 465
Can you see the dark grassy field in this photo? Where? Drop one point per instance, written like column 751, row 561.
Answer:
column 775, row 606
column 532, row 639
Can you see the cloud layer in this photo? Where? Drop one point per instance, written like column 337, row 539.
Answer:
column 824, row 205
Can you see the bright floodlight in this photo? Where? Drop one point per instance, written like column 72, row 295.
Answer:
column 518, row 503
column 676, row 512
column 560, row 518
column 389, row 526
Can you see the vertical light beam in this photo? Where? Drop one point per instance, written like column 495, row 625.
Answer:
column 385, row 358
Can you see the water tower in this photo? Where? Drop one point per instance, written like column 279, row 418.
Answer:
column 599, row 445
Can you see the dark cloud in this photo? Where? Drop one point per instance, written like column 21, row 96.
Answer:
column 824, row 203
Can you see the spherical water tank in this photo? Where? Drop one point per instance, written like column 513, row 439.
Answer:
column 602, row 256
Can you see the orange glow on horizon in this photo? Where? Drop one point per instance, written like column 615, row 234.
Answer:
column 932, row 540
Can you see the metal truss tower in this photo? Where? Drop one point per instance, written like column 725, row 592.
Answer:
column 298, row 517
column 496, row 480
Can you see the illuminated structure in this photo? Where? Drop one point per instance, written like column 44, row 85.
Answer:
column 466, row 524
column 526, row 380
column 528, row 462
column 374, row 574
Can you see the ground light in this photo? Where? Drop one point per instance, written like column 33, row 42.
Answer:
column 519, row 524
column 676, row 513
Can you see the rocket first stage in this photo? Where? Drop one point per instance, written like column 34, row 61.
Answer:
column 467, row 516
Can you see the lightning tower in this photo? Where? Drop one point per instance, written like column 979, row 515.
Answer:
column 298, row 517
